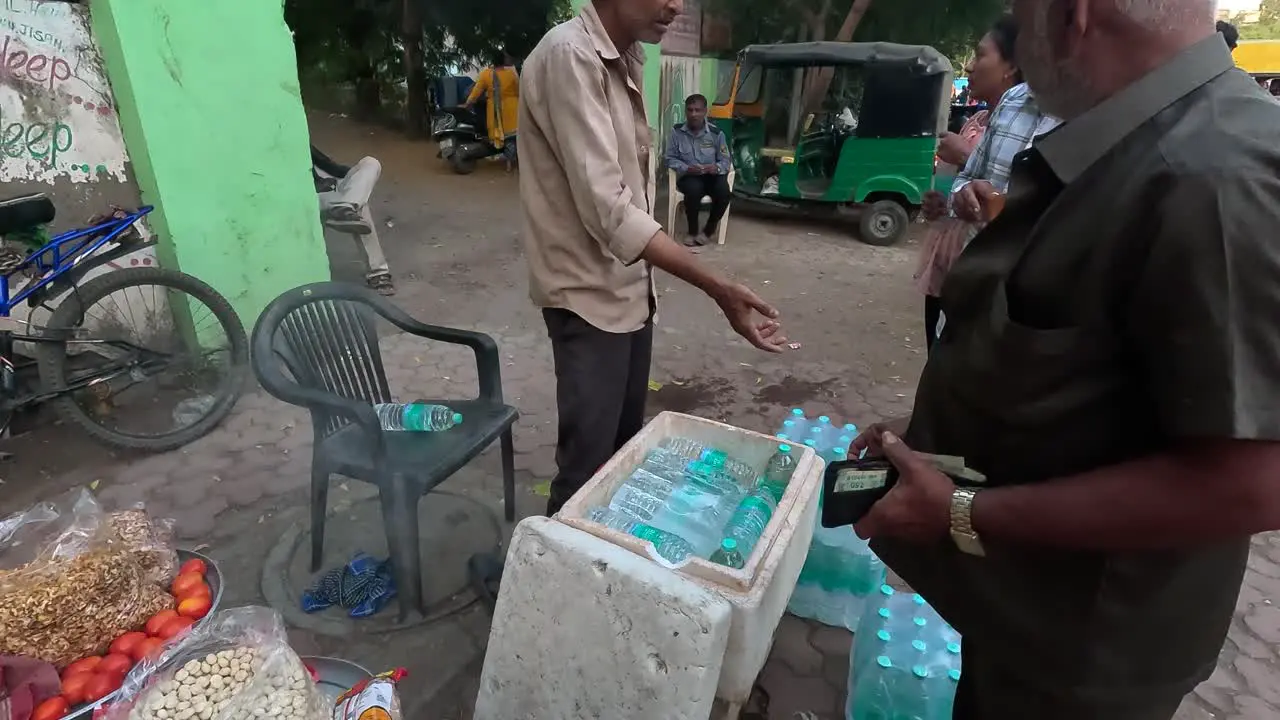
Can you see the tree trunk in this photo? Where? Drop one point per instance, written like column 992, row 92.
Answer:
column 414, row 71
column 819, row 80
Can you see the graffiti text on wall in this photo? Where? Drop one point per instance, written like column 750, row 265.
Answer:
column 57, row 113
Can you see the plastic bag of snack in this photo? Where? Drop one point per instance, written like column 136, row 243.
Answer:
column 68, row 586
column 372, row 699
column 151, row 541
column 235, row 665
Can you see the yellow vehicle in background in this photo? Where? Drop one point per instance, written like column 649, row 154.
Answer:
column 1259, row 58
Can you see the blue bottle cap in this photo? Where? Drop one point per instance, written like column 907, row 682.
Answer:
column 853, row 429
column 784, row 448
column 782, row 436
column 919, row 645
column 884, row 662
column 797, row 412
column 810, row 442
column 884, row 636
column 954, row 675
column 920, row 671
column 886, row 590
column 824, row 419
column 729, row 545
column 844, row 441
column 838, row 451
column 789, row 423
column 917, row 599
column 921, row 622
column 457, row 418
column 953, row 648
column 884, row 613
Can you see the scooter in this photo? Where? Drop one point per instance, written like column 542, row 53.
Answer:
column 463, row 138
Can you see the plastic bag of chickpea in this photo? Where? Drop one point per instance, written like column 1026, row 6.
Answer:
column 237, row 665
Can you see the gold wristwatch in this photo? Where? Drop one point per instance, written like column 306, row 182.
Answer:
column 962, row 531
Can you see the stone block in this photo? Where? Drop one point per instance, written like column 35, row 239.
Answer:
column 585, row 628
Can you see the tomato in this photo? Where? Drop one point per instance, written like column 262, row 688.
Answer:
column 123, row 644
column 51, row 709
column 185, row 583
column 82, row 665
column 146, row 648
column 73, row 687
column 157, row 621
column 194, row 565
column 116, row 663
column 174, row 626
column 201, row 590
column 101, row 685
column 195, row 607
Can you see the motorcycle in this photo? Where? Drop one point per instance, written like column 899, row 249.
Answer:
column 463, row 139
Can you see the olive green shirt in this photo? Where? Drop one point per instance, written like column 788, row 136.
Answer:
column 1123, row 304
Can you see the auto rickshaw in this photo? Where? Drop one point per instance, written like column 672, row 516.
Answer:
column 1261, row 59
column 869, row 145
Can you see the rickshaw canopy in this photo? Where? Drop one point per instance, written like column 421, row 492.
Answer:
column 921, row 58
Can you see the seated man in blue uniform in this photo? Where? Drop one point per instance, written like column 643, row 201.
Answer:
column 699, row 154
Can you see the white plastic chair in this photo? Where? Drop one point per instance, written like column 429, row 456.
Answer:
column 675, row 199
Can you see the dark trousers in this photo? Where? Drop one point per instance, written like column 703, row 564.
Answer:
column 932, row 314
column 602, row 379
column 987, row 691
column 697, row 187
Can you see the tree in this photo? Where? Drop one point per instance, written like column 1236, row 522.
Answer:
column 1267, row 27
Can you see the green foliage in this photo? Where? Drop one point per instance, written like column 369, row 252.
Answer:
column 1267, row 27
column 951, row 26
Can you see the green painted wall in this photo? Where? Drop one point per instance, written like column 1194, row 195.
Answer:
column 213, row 120
column 652, row 75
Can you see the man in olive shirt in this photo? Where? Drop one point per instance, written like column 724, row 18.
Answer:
column 1111, row 363
column 589, row 235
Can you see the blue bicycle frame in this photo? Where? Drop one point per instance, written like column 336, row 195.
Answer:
column 64, row 252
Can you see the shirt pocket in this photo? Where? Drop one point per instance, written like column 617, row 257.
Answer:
column 1029, row 376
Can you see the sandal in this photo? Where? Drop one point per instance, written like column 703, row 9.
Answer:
column 381, row 283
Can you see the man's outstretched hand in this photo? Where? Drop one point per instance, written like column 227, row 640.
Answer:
column 744, row 309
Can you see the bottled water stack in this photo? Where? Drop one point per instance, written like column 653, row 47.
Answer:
column 905, row 661
column 669, row 547
column 840, row 571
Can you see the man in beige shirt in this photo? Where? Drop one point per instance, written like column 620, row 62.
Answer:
column 589, row 235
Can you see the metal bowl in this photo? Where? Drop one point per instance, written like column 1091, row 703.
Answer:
column 213, row 576
column 335, row 675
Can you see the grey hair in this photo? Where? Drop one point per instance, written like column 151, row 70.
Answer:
column 1166, row 15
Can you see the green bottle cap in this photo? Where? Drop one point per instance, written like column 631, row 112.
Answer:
column 954, row 675
column 784, row 448
column 884, row 613
column 920, row 671
column 884, row 662
column 884, row 636
column 919, row 645
column 457, row 418
column 729, row 545
column 917, row 599
column 886, row 590
column 953, row 648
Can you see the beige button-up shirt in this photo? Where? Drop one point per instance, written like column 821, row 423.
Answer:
column 584, row 167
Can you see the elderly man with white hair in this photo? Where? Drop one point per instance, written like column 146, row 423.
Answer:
column 1111, row 363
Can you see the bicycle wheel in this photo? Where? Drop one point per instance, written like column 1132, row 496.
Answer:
column 154, row 387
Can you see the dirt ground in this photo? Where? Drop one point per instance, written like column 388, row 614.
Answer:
column 452, row 243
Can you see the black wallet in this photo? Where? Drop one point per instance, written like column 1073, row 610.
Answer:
column 851, row 487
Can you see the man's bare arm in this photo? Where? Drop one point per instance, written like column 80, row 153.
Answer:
column 1221, row 490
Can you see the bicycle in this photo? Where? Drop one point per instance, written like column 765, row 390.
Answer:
column 89, row 369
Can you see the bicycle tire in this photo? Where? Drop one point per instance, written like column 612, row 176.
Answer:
column 52, row 357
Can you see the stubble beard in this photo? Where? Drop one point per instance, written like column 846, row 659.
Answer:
column 1060, row 88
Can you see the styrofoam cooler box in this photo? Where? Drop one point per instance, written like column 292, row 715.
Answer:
column 758, row 592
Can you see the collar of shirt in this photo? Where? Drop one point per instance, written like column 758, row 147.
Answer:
column 600, row 38
column 706, row 128
column 1075, row 146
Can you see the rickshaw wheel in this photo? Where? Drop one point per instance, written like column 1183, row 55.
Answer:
column 883, row 223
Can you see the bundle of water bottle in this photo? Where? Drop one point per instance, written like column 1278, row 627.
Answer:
column 905, row 661
column 840, row 572
column 692, row 500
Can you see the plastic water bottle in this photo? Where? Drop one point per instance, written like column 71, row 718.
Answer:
column 778, row 472
column 670, row 547
column 826, row 431
column 698, row 508
column 750, row 519
column 641, row 495
column 728, row 554
column 801, row 423
column 694, row 450
column 422, row 417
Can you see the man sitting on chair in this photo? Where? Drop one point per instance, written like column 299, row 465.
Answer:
column 699, row 155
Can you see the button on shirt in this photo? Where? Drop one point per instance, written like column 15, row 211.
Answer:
column 707, row 146
column 1122, row 305
column 584, row 176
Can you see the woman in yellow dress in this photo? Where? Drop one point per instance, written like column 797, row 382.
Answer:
column 499, row 85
